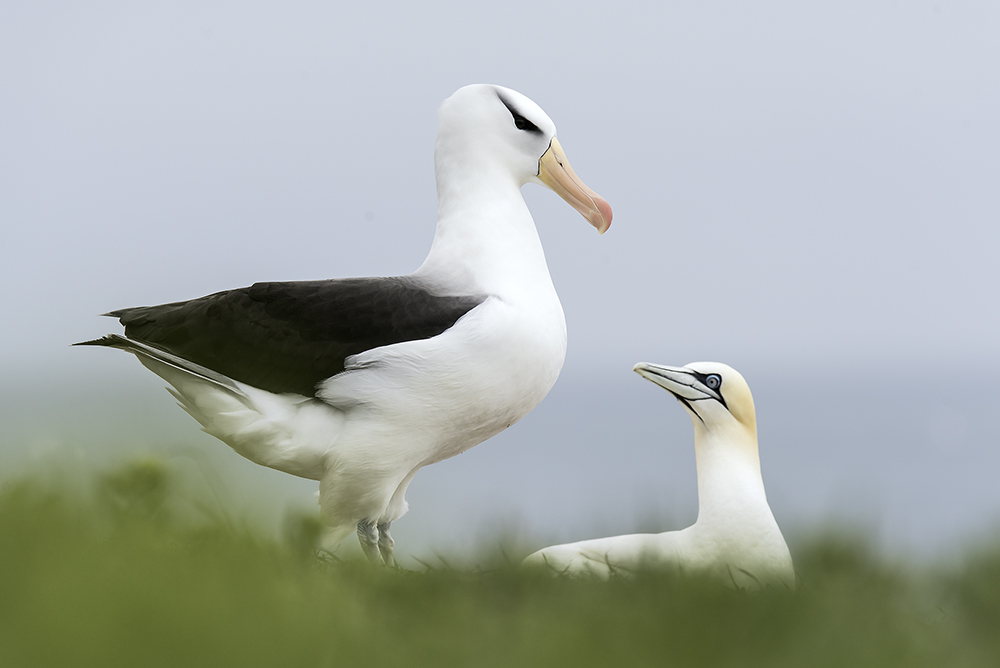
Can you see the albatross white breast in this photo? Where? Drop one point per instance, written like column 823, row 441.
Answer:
column 735, row 537
column 358, row 383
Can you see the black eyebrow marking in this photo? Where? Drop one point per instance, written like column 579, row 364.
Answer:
column 520, row 122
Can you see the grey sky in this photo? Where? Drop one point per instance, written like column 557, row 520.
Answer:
column 809, row 194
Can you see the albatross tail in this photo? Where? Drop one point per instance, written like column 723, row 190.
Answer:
column 288, row 432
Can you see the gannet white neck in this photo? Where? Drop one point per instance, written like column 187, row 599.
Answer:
column 730, row 485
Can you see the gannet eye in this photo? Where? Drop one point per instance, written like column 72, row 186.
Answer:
column 713, row 381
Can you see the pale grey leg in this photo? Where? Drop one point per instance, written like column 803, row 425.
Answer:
column 369, row 539
column 385, row 544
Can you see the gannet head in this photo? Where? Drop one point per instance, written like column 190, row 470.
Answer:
column 716, row 395
column 486, row 124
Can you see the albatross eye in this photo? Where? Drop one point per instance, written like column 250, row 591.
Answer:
column 520, row 122
column 713, row 381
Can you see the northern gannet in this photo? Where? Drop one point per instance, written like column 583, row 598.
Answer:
column 360, row 382
column 735, row 537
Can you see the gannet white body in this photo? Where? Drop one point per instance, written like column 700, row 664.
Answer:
column 735, row 537
column 358, row 383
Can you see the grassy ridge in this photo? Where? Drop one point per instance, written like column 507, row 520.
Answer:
column 133, row 573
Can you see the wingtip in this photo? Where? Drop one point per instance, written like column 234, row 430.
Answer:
column 93, row 342
column 106, row 340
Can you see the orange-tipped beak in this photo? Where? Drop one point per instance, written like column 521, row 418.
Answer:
column 555, row 172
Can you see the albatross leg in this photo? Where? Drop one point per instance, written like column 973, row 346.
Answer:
column 369, row 539
column 385, row 544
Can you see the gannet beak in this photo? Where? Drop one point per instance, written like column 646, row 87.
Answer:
column 554, row 171
column 685, row 384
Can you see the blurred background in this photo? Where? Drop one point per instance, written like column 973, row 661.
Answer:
column 807, row 193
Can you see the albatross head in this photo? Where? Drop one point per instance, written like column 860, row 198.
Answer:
column 716, row 395
column 491, row 126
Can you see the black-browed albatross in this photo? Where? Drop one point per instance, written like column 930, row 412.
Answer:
column 358, row 383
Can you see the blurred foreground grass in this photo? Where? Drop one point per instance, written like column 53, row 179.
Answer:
column 130, row 571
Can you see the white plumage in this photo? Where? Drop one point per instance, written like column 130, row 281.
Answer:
column 735, row 537
column 358, row 383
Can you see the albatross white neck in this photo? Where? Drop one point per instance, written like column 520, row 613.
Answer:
column 485, row 235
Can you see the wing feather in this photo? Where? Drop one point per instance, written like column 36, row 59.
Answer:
column 288, row 337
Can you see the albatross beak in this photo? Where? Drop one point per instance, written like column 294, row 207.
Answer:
column 555, row 172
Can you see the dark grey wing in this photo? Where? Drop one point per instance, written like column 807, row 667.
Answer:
column 288, row 337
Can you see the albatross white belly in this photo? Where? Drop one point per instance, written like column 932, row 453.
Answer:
column 358, row 383
column 487, row 372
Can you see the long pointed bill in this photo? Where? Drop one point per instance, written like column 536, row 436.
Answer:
column 555, row 172
column 678, row 381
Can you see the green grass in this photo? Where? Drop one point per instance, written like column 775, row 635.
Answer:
column 133, row 571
